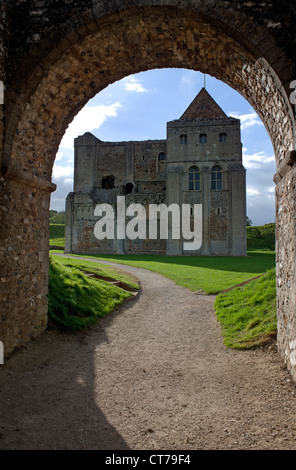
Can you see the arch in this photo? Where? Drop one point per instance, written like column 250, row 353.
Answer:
column 93, row 47
column 237, row 62
column 161, row 156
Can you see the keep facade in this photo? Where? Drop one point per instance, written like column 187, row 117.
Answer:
column 200, row 162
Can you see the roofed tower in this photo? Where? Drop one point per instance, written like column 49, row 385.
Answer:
column 203, row 107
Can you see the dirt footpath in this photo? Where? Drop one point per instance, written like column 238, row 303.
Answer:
column 153, row 375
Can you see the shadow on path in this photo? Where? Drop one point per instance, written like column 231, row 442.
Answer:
column 47, row 395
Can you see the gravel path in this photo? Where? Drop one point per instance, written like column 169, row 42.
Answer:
column 153, row 375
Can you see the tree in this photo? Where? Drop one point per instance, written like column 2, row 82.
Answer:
column 52, row 213
column 58, row 218
column 248, row 222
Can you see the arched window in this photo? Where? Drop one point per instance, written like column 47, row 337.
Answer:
column 216, row 178
column 183, row 139
column 161, row 156
column 223, row 137
column 194, row 179
column 203, row 138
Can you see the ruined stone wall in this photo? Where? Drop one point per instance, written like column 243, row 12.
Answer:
column 80, row 225
column 23, row 272
column 134, row 172
column 40, row 24
column 286, row 265
column 146, row 161
column 89, row 64
column 3, row 70
column 220, row 225
column 65, row 33
column 111, row 160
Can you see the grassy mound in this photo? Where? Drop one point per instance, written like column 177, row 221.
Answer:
column 103, row 270
column 76, row 301
column 248, row 313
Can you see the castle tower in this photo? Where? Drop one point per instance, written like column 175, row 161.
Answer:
column 204, row 166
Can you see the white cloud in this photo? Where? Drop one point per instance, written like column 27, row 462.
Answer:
column 132, row 84
column 88, row 119
column 252, row 192
column 247, row 120
column 59, row 156
column 256, row 160
column 62, row 171
column 260, row 192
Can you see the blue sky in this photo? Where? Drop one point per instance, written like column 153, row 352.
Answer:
column 138, row 108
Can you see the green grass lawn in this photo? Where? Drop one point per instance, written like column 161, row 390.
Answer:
column 210, row 274
column 75, row 300
column 248, row 313
column 57, row 234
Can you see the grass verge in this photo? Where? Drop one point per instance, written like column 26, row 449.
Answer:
column 75, row 300
column 103, row 270
column 248, row 314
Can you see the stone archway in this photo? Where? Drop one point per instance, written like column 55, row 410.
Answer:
column 109, row 46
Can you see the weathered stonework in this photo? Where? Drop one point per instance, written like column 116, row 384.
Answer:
column 55, row 56
column 132, row 168
column 24, row 273
column 286, row 264
column 158, row 171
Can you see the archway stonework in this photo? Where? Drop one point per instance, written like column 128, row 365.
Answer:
column 101, row 42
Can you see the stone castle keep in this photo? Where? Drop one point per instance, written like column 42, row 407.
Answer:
column 200, row 162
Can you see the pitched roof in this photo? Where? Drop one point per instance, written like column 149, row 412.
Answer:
column 203, row 107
